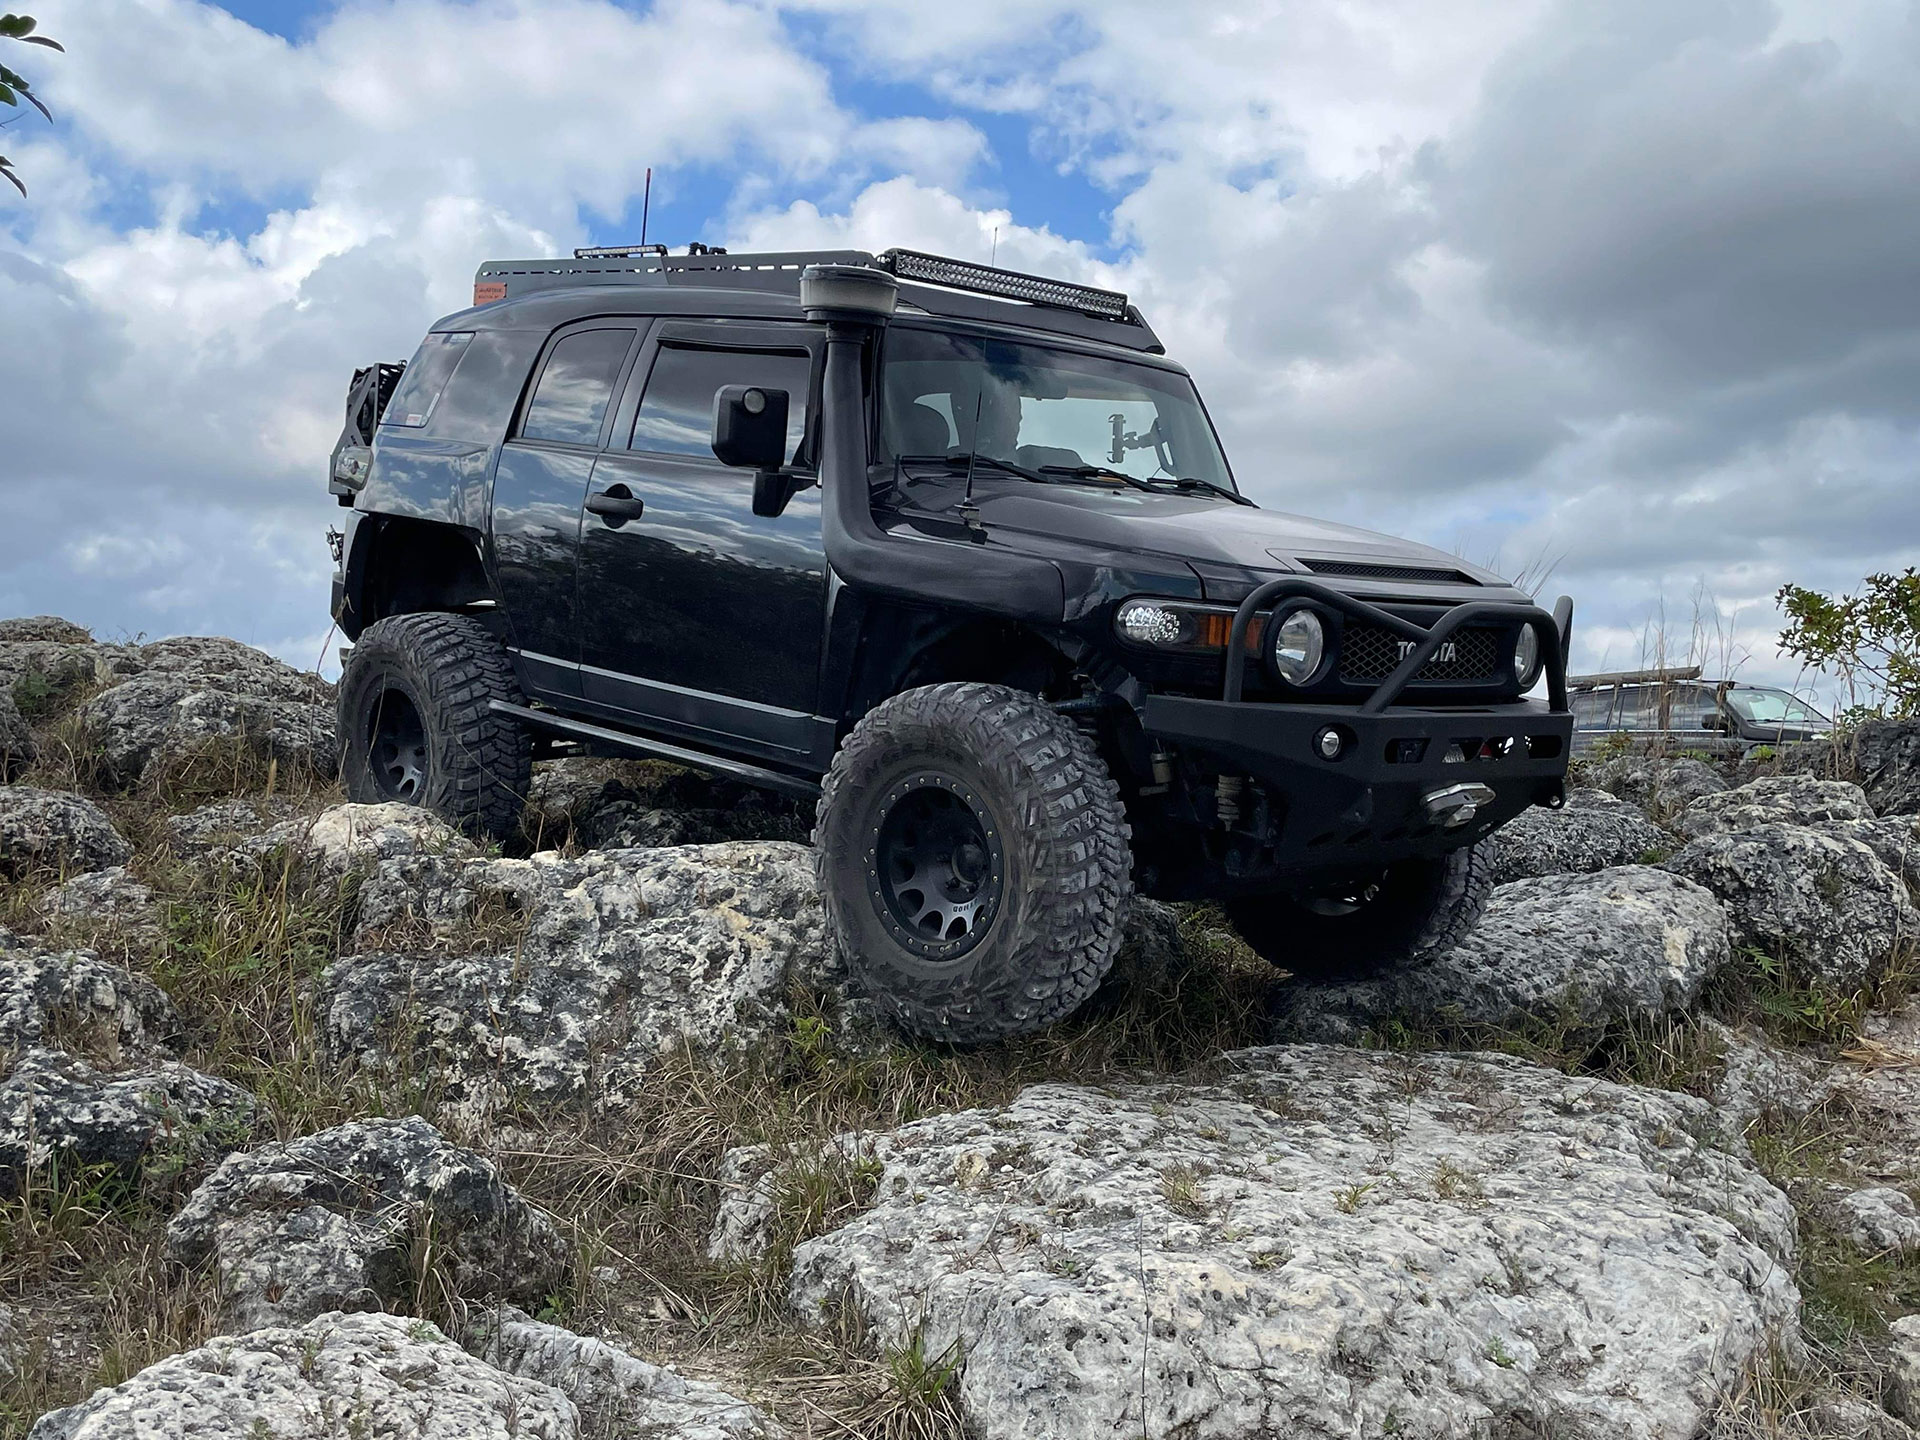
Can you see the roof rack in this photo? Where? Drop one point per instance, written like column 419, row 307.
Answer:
column 934, row 283
column 1671, row 674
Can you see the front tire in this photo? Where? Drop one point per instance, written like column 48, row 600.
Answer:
column 972, row 856
column 1410, row 911
column 417, row 724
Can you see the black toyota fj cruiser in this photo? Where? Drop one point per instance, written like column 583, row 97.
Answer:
column 955, row 551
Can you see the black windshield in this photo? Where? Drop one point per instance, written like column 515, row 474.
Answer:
column 1043, row 409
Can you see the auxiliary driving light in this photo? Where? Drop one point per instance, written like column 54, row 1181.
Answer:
column 1299, row 643
column 1526, row 657
column 1329, row 744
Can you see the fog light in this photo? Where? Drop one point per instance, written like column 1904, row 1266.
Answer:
column 1299, row 642
column 1329, row 742
column 1526, row 657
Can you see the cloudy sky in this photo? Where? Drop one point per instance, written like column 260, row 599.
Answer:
column 1628, row 290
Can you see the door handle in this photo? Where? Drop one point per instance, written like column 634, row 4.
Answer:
column 616, row 505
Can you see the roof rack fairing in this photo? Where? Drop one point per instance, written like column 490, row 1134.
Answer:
column 929, row 278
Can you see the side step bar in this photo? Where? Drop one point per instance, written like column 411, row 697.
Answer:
column 660, row 750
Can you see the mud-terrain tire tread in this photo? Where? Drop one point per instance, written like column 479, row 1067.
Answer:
column 1284, row 932
column 481, row 760
column 1072, row 831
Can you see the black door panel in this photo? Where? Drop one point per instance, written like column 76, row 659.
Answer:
column 695, row 593
column 699, row 592
column 536, row 539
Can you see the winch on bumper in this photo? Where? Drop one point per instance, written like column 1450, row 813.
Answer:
column 1381, row 781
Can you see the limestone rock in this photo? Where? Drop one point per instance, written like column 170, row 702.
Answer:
column 345, row 839
column 330, row 1221
column 113, row 910
column 340, row 1375
column 1894, row 838
column 1886, row 756
column 57, row 1107
column 1819, row 902
column 217, row 830
column 1593, row 831
column 75, row 1000
column 18, row 749
column 1758, row 1077
column 604, row 804
column 1774, row 800
column 1904, row 1390
column 1882, row 1220
column 1655, row 783
column 616, row 1393
column 1584, row 948
column 184, row 693
column 1152, row 952
column 48, row 628
column 586, row 970
column 55, row 832
column 1327, row 1242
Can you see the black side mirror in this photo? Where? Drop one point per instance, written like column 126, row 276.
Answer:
column 750, row 427
column 772, row 489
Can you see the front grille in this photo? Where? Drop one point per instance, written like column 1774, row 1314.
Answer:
column 1362, row 570
column 1368, row 654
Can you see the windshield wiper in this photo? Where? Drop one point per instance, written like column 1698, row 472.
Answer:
column 958, row 465
column 1189, row 482
column 1097, row 472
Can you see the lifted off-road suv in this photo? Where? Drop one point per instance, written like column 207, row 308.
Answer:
column 956, row 552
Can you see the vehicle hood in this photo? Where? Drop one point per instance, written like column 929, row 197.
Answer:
column 1206, row 533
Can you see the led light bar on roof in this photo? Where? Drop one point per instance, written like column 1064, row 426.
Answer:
column 987, row 280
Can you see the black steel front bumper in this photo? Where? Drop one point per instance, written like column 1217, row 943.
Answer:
column 1394, row 788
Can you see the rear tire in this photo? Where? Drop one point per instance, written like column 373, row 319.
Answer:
column 417, row 724
column 972, row 856
column 1414, row 910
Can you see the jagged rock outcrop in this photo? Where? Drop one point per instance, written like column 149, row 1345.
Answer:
column 1886, row 757
column 1577, row 948
column 1757, row 1077
column 1326, row 1242
column 559, row 979
column 1904, row 1391
column 1592, row 831
column 349, row 839
column 76, row 1001
column 1894, row 838
column 338, row 1376
column 1773, row 800
column 55, row 832
column 56, row 1107
column 1817, row 901
column 331, row 1222
column 18, row 749
column 1656, row 783
column 181, row 694
column 116, row 911
column 607, row 804
column 49, row 629
column 222, row 829
column 616, row 1393
column 1881, row 1220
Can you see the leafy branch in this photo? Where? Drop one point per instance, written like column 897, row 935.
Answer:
column 14, row 87
column 1870, row 640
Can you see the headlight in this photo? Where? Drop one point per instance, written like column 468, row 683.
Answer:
column 1526, row 657
column 1182, row 626
column 1299, row 643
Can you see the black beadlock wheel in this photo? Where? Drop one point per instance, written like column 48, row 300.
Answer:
column 973, row 858
column 417, row 723
column 1412, row 910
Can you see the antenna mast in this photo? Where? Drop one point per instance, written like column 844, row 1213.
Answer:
column 646, row 204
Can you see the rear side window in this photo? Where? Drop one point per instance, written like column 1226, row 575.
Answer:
column 570, row 403
column 676, row 412
column 1590, row 708
column 427, row 374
